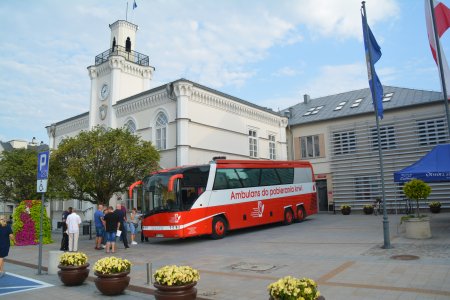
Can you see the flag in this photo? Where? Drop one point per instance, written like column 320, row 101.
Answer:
column 373, row 54
column 134, row 4
column 442, row 17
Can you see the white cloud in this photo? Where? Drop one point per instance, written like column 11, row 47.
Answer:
column 285, row 71
column 49, row 44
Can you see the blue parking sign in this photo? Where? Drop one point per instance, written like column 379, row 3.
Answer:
column 43, row 159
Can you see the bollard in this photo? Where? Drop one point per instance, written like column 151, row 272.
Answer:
column 149, row 273
column 53, row 261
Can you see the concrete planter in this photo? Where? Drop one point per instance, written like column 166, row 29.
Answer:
column 418, row 228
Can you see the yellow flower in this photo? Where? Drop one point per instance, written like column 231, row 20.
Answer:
column 176, row 275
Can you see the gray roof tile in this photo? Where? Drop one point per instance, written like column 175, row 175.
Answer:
column 402, row 97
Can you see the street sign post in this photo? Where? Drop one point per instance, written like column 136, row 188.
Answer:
column 42, row 177
column 42, row 172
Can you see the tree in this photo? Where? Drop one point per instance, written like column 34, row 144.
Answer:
column 417, row 190
column 96, row 164
column 18, row 175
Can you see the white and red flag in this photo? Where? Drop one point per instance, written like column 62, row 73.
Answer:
column 442, row 18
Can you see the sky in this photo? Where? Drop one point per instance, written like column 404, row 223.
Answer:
column 268, row 52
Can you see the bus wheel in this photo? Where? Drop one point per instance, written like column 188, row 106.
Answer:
column 300, row 214
column 219, row 228
column 288, row 216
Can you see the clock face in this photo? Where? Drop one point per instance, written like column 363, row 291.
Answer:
column 104, row 92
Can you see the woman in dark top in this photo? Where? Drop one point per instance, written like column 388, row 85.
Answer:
column 6, row 234
column 111, row 221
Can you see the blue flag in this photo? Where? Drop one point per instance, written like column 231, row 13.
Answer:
column 134, row 4
column 371, row 58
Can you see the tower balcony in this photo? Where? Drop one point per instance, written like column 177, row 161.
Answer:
column 133, row 56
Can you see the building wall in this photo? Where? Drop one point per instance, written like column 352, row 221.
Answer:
column 355, row 175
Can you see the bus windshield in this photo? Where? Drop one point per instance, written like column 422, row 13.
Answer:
column 157, row 195
column 174, row 191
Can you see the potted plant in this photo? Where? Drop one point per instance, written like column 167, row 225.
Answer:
column 435, row 207
column 176, row 281
column 417, row 226
column 346, row 209
column 73, row 268
column 291, row 288
column 368, row 209
column 112, row 275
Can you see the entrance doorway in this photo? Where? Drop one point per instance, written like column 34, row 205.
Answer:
column 322, row 194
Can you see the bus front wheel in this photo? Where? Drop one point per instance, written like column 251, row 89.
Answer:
column 219, row 228
column 288, row 216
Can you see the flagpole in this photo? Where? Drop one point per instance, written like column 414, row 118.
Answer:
column 441, row 70
column 386, row 235
column 126, row 14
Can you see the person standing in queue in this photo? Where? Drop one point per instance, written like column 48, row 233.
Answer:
column 123, row 221
column 73, row 229
column 112, row 223
column 65, row 236
column 99, row 228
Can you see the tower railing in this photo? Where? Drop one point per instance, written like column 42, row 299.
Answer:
column 133, row 56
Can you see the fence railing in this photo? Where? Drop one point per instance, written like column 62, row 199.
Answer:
column 133, row 56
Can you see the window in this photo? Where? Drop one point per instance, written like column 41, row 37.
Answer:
column 239, row 178
column 272, row 152
column 310, row 146
column 366, row 188
column 269, row 177
column 130, row 126
column 387, row 138
column 387, row 97
column 253, row 143
column 80, row 204
column 432, row 132
column 161, row 131
column 313, row 110
column 344, row 142
column 356, row 103
column 340, row 105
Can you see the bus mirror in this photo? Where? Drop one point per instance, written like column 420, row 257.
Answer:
column 172, row 180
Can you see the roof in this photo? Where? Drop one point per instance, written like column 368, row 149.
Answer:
column 5, row 146
column 197, row 85
column 356, row 103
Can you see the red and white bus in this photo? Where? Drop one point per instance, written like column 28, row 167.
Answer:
column 225, row 195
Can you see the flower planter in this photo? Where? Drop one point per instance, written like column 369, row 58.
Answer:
column 73, row 275
column 435, row 209
column 318, row 298
column 177, row 292
column 346, row 211
column 417, row 228
column 368, row 210
column 112, row 284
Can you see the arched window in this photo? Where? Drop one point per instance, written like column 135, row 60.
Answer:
column 161, row 131
column 130, row 126
column 114, row 45
column 128, row 45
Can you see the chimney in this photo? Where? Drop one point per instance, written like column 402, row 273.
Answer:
column 306, row 98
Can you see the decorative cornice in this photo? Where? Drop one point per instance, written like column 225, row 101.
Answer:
column 183, row 89
column 72, row 125
column 123, row 23
column 141, row 103
column 222, row 103
column 99, row 70
column 119, row 62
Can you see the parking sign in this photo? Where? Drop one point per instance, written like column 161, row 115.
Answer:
column 42, row 171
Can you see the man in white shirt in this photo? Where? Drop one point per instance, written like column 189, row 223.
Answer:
column 73, row 222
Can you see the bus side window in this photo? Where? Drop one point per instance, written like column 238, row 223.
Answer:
column 220, row 182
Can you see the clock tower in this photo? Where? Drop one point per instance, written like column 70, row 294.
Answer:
column 118, row 73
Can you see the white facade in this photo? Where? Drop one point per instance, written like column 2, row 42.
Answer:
column 187, row 122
